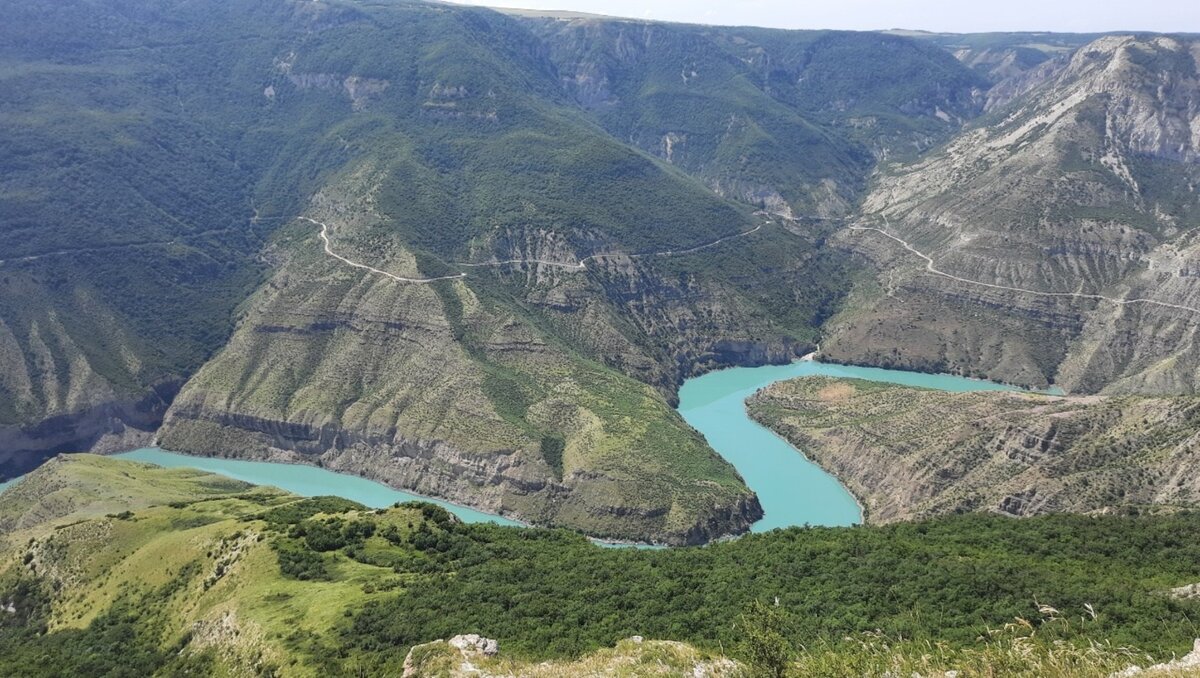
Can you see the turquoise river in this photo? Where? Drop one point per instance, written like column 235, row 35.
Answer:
column 792, row 490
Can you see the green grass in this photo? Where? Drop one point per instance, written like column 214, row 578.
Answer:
column 926, row 594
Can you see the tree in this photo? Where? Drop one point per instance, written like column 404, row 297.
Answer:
column 764, row 644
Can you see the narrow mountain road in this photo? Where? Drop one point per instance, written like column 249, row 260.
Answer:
column 714, row 243
column 582, row 263
column 83, row 250
column 115, row 247
column 573, row 266
column 930, row 267
column 355, row 264
column 577, row 266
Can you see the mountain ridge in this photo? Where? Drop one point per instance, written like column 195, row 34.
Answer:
column 368, row 154
column 1044, row 195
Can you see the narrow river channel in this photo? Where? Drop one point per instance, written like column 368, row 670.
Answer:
column 792, row 489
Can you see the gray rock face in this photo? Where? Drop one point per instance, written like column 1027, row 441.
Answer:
column 473, row 643
column 1053, row 243
column 117, row 424
column 910, row 453
column 1182, row 666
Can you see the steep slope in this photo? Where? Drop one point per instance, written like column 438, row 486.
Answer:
column 1016, row 453
column 347, row 357
column 789, row 120
column 452, row 392
column 1053, row 242
column 1001, row 57
column 110, row 190
column 136, row 136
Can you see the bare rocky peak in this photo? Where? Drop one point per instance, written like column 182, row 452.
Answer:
column 1081, row 181
column 1149, row 84
column 1115, row 98
column 1017, row 85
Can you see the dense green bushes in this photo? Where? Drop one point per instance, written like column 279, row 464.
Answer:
column 551, row 593
column 297, row 561
column 548, row 593
column 295, row 512
column 946, row 583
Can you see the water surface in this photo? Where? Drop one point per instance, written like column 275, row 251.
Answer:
column 791, row 489
column 306, row 481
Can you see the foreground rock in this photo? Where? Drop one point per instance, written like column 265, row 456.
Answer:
column 1187, row 665
column 473, row 655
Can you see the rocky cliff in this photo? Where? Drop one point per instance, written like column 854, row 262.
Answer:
column 907, row 453
column 1052, row 241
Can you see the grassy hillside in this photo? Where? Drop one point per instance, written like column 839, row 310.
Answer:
column 243, row 579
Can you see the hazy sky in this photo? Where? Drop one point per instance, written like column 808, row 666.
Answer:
column 961, row 16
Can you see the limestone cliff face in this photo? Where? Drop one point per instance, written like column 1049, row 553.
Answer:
column 1001, row 63
column 657, row 319
column 909, row 453
column 1084, row 187
column 70, row 383
column 111, row 425
column 437, row 389
column 689, row 324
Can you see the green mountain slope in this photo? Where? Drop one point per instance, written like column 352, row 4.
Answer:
column 239, row 580
column 260, row 184
column 789, row 120
column 457, row 388
column 136, row 139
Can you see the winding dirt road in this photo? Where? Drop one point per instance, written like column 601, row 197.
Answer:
column 573, row 266
column 933, row 269
column 582, row 263
column 355, row 264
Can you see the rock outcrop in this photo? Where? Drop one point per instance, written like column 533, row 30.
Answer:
column 909, row 453
column 1187, row 665
column 473, row 655
column 107, row 426
column 1048, row 220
